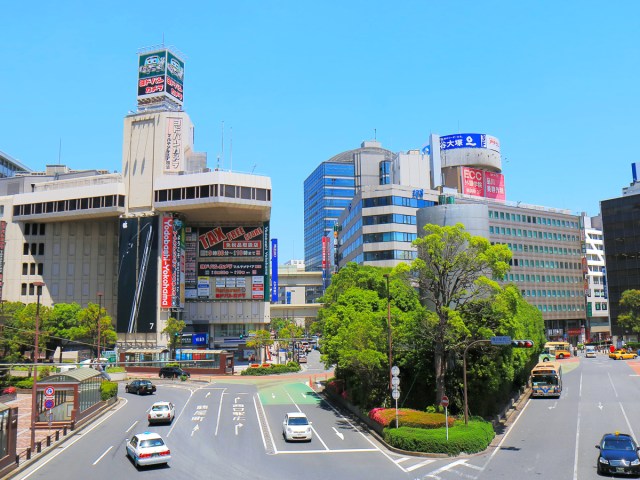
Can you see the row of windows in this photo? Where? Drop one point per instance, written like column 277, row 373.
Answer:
column 68, row 205
column 600, row 306
column 521, row 277
column 516, row 217
column 397, row 201
column 518, row 232
column 34, row 228
column 389, row 218
column 208, row 191
column 552, row 293
column 32, row 268
column 598, row 293
column 390, row 255
column 389, row 237
column 353, row 211
column 33, row 249
column 560, row 308
column 31, row 288
column 519, row 247
column 353, row 230
column 351, row 247
column 526, row 262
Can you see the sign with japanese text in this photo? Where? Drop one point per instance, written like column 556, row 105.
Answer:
column 160, row 77
column 274, row 270
column 494, row 186
column 469, row 140
column 472, row 181
column 166, row 262
column 174, row 151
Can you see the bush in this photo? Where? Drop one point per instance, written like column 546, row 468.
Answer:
column 108, row 390
column 408, row 417
column 25, row 383
column 272, row 369
column 472, row 438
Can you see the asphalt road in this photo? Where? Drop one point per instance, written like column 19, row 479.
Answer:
column 234, row 430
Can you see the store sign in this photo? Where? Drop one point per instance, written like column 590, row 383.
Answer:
column 166, row 262
column 174, row 150
column 274, row 270
column 469, row 140
column 160, row 77
column 482, row 183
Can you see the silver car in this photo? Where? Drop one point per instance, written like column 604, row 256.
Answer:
column 296, row 426
column 148, row 449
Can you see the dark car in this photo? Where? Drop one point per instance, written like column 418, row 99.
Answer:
column 173, row 372
column 618, row 454
column 140, row 386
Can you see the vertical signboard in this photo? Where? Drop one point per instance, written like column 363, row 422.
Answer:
column 274, row 270
column 160, row 78
column 3, row 231
column 472, row 181
column 175, row 77
column 494, row 186
column 174, row 150
column 166, row 262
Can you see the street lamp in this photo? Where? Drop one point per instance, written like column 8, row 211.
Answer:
column 99, row 312
column 34, row 389
column 386, row 275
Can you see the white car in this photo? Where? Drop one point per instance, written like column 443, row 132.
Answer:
column 147, row 449
column 590, row 351
column 161, row 412
column 296, row 426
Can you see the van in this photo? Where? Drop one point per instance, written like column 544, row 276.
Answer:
column 590, row 351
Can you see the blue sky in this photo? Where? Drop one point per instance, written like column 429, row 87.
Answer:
column 297, row 82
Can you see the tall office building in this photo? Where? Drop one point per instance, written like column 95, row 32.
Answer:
column 598, row 325
column 329, row 190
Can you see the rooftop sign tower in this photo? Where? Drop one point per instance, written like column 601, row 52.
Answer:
column 160, row 79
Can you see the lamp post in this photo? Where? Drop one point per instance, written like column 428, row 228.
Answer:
column 386, row 275
column 34, row 389
column 99, row 312
column 464, row 376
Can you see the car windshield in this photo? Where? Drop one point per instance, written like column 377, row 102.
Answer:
column 153, row 442
column 145, row 383
column 298, row 421
column 159, row 408
column 618, row 444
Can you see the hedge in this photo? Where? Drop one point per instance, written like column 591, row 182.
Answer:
column 272, row 369
column 408, row 417
column 472, row 438
column 108, row 390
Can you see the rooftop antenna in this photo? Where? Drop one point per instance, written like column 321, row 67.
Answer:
column 163, row 39
column 375, row 134
column 254, row 167
column 60, row 151
column 218, row 166
column 222, row 134
column 231, row 150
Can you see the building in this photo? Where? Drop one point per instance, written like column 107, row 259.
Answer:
column 10, row 167
column 598, row 324
column 167, row 237
column 620, row 217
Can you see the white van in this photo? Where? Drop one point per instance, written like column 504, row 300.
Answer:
column 590, row 351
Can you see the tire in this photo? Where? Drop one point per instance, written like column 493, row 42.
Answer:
column 561, row 356
column 545, row 359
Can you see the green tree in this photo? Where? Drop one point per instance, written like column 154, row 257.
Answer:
column 87, row 327
column 172, row 329
column 258, row 340
column 453, row 268
column 61, row 322
column 630, row 305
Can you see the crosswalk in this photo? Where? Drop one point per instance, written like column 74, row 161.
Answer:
column 437, row 469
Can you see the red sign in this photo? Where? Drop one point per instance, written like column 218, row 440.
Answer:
column 325, row 245
column 494, row 186
column 166, row 263
column 445, row 401
column 472, row 181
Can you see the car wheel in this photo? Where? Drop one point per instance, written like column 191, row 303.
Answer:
column 635, row 356
column 545, row 359
column 561, row 356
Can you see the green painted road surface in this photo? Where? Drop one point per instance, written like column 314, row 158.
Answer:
column 288, row 394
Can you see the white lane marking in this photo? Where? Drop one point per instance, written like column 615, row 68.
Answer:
column 54, row 454
column 418, row 465
column 348, row 450
column 195, row 429
column 313, row 429
column 555, row 404
column 129, row 429
column 612, row 385
column 338, row 433
column 627, row 420
column 175, row 420
column 470, row 465
column 444, row 468
column 207, row 395
column 100, row 457
column 219, row 413
column 376, row 447
column 264, row 441
column 403, row 459
column 600, row 406
column 575, row 453
column 499, row 446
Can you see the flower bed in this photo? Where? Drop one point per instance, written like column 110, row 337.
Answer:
column 408, row 417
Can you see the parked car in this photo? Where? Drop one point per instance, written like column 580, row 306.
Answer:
column 296, row 426
column 163, row 412
column 622, row 355
column 618, row 454
column 147, row 449
column 140, row 386
column 172, row 372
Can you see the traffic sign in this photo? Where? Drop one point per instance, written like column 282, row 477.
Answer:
column 49, row 403
column 395, row 381
column 49, row 391
column 395, row 394
column 502, row 340
column 445, row 401
column 395, row 371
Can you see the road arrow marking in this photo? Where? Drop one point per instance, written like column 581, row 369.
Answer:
column 338, row 433
column 303, row 395
column 600, row 405
column 207, row 395
column 238, row 425
column 553, row 406
column 196, row 428
column 236, row 400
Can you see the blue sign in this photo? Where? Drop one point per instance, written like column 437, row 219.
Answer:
column 274, row 270
column 200, row 339
column 418, row 194
column 501, row 340
column 288, row 298
column 463, row 140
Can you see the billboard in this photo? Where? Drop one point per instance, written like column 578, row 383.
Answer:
column 227, row 262
column 167, row 286
column 274, row 270
column 469, row 140
column 174, row 150
column 160, row 77
column 481, row 183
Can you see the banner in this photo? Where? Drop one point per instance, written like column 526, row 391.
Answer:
column 167, row 262
column 274, row 270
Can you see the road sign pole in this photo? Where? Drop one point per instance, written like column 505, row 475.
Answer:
column 446, row 421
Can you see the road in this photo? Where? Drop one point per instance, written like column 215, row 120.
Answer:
column 233, row 429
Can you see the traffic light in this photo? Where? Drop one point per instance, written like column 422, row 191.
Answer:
column 241, row 336
column 522, row 343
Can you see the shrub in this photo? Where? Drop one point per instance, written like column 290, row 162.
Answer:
column 24, row 382
column 9, row 391
column 108, row 390
column 272, row 369
column 472, row 438
column 408, row 417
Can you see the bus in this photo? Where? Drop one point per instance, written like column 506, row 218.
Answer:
column 554, row 351
column 546, row 380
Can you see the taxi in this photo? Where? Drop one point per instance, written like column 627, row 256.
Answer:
column 622, row 355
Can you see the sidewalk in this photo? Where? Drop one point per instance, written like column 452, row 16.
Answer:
column 23, row 402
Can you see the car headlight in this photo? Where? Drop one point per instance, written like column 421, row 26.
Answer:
column 635, row 462
column 289, row 430
column 604, row 460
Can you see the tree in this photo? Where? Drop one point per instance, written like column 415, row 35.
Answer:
column 630, row 307
column 258, row 339
column 60, row 324
column 87, row 327
column 453, row 268
column 172, row 330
